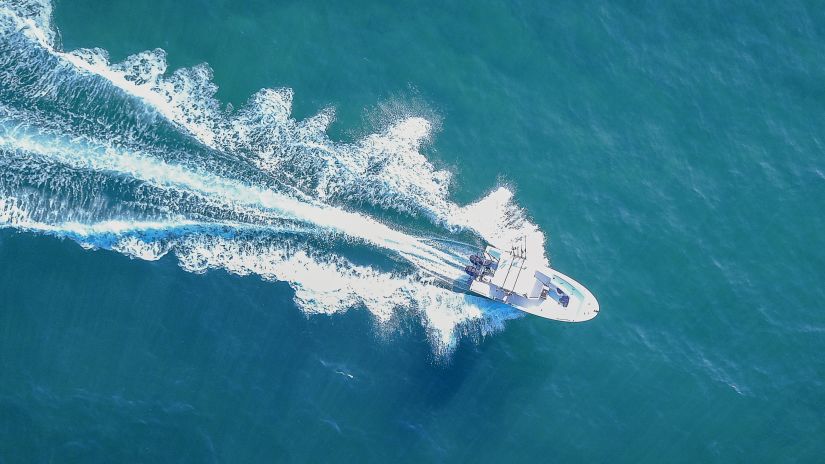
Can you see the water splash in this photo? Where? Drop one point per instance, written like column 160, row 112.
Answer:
column 84, row 156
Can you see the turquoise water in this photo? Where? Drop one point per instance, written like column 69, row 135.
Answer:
column 184, row 282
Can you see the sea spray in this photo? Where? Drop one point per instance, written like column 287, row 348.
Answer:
column 245, row 196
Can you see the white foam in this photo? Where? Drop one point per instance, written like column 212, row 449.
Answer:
column 335, row 285
column 11, row 213
column 80, row 154
column 501, row 222
column 385, row 169
column 330, row 285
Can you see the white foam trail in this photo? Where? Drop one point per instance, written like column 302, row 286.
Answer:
column 321, row 286
column 385, row 169
column 165, row 175
column 497, row 219
column 336, row 285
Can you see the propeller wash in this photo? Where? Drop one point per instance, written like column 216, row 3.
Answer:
column 127, row 157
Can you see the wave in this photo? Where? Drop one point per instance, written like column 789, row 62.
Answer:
column 128, row 158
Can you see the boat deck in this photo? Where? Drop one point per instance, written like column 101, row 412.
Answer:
column 534, row 289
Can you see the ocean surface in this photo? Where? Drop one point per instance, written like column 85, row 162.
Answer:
column 225, row 228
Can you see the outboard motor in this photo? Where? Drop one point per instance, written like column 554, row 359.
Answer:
column 472, row 270
column 480, row 261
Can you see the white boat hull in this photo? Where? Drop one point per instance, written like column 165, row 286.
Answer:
column 536, row 291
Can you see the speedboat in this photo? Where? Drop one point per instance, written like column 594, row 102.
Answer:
column 509, row 277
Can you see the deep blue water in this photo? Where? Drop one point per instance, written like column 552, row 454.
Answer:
column 182, row 281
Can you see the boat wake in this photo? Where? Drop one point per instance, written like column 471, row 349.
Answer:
column 126, row 157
